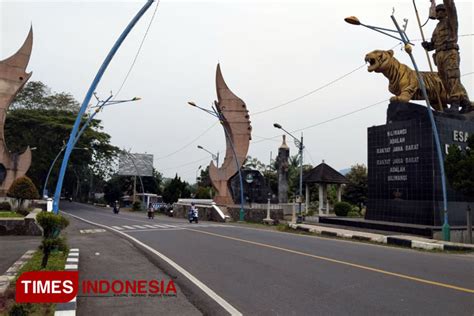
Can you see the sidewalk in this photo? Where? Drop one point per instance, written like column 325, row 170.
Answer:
column 105, row 256
column 399, row 240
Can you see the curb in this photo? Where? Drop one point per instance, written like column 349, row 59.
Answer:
column 11, row 273
column 72, row 264
column 381, row 239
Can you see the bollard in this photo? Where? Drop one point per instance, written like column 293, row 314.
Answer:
column 49, row 205
column 469, row 225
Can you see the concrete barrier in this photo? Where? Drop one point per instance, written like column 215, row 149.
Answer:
column 26, row 226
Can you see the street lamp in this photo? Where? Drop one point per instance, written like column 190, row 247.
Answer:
column 249, row 179
column 85, row 103
column 215, row 157
column 98, row 107
column 404, row 38
column 299, row 144
column 216, row 113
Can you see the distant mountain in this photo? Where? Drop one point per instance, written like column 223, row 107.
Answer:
column 344, row 171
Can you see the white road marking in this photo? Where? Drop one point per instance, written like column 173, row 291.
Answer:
column 153, row 230
column 91, row 231
column 128, row 227
column 138, row 226
column 149, row 226
column 171, row 226
column 117, row 227
column 219, row 300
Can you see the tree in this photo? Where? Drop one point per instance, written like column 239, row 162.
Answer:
column 356, row 190
column 44, row 120
column 175, row 189
column 460, row 168
column 37, row 96
column 23, row 189
column 254, row 164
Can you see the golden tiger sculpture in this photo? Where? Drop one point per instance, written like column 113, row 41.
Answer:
column 403, row 82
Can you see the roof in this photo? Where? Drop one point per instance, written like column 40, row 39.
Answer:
column 324, row 173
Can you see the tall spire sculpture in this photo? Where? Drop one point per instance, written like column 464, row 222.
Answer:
column 13, row 77
column 236, row 123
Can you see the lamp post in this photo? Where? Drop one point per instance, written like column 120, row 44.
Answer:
column 87, row 98
column 98, row 107
column 299, row 144
column 404, row 38
column 45, row 185
column 197, row 173
column 215, row 157
column 216, row 113
column 249, row 179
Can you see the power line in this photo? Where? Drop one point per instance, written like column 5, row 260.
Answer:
column 340, row 116
column 186, row 164
column 139, row 49
column 309, row 93
column 188, row 144
column 315, row 90
column 323, row 122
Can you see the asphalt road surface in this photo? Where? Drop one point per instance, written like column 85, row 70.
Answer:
column 265, row 272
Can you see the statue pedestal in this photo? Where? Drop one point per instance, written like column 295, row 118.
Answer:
column 403, row 171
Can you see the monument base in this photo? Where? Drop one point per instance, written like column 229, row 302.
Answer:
column 404, row 180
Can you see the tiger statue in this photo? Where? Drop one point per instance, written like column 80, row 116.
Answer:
column 403, row 82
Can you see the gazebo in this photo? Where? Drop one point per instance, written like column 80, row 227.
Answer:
column 323, row 175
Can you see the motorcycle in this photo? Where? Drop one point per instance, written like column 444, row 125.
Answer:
column 193, row 217
column 116, row 209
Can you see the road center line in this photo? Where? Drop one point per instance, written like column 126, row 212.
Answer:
column 219, row 300
column 354, row 265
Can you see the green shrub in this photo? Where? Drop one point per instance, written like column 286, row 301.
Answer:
column 342, row 208
column 5, row 206
column 353, row 214
column 136, row 206
column 19, row 310
column 52, row 225
column 23, row 189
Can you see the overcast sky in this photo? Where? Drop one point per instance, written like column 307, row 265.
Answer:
column 270, row 52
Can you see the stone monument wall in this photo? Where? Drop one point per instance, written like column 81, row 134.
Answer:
column 403, row 170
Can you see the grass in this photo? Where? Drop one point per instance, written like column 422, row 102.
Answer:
column 56, row 262
column 10, row 214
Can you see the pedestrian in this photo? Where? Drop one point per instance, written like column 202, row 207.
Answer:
column 151, row 211
column 446, row 57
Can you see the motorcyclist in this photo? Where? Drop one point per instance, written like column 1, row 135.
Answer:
column 151, row 211
column 116, row 207
column 193, row 213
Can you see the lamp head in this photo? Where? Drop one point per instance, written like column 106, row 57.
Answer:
column 136, row 99
column 276, row 125
column 191, row 103
column 352, row 20
column 200, row 147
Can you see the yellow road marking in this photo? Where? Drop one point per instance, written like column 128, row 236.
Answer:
column 402, row 276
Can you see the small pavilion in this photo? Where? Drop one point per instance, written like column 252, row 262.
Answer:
column 323, row 175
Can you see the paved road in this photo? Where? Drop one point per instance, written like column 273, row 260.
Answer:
column 13, row 247
column 267, row 272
